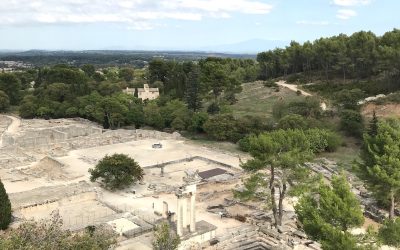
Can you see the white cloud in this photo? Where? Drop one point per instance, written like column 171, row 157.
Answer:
column 136, row 14
column 315, row 23
column 348, row 3
column 345, row 14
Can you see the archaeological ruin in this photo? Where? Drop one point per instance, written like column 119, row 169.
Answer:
column 44, row 167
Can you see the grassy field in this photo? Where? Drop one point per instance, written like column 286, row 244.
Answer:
column 256, row 99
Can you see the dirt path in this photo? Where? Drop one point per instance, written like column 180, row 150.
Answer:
column 295, row 88
column 292, row 87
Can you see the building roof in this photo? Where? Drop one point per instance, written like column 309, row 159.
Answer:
column 211, row 173
column 149, row 90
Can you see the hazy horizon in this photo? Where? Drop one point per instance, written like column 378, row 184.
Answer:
column 235, row 26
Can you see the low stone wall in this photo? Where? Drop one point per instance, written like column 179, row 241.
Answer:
column 188, row 159
column 54, row 205
column 79, row 137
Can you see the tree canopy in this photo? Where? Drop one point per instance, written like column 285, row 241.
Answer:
column 281, row 152
column 49, row 235
column 329, row 212
column 117, row 171
column 380, row 166
column 164, row 238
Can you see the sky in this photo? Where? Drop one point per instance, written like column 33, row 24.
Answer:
column 184, row 24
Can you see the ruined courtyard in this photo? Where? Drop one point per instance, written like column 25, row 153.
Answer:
column 45, row 163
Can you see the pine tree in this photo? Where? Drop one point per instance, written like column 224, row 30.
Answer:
column 5, row 208
column 380, row 166
column 164, row 238
column 327, row 214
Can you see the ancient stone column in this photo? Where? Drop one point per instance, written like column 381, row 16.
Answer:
column 185, row 221
column 193, row 212
column 179, row 213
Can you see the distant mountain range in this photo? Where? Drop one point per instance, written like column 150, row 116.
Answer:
column 253, row 46
column 249, row 47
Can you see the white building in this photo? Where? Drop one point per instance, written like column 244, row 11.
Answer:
column 145, row 93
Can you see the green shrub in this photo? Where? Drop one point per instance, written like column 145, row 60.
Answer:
column 244, row 144
column 4, row 101
column 322, row 140
column 197, row 122
column 310, row 107
column 351, row 122
column 5, row 208
column 213, row 108
column 270, row 84
column 178, row 124
column 292, row 78
column 293, row 121
column 348, row 99
column 334, row 141
column 222, row 127
column 389, row 233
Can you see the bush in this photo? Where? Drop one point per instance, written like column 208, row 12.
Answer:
column 178, row 124
column 44, row 112
column 322, row 140
column 244, row 144
column 334, row 141
column 292, row 78
column 253, row 124
column 28, row 107
column 49, row 234
column 213, row 108
column 293, row 121
column 165, row 238
column 117, row 171
column 71, row 112
column 389, row 233
column 270, row 84
column 197, row 122
column 153, row 117
column 351, row 122
column 5, row 208
column 349, row 99
column 222, row 127
column 310, row 107
column 4, row 101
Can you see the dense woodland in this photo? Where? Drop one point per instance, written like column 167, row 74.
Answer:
column 359, row 56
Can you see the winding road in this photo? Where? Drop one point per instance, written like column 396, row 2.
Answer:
column 292, row 87
column 295, row 88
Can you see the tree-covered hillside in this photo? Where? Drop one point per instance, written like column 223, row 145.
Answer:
column 363, row 55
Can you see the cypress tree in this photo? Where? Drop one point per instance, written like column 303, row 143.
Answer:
column 5, row 208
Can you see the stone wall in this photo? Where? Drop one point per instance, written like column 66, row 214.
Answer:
column 75, row 137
